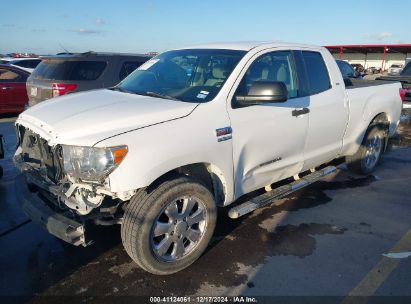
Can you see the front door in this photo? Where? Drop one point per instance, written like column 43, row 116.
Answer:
column 269, row 139
column 13, row 94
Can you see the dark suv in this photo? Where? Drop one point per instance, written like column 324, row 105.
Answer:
column 69, row 73
column 405, row 78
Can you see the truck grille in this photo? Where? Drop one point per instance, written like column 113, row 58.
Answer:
column 41, row 156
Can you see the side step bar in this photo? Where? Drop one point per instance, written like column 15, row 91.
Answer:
column 277, row 193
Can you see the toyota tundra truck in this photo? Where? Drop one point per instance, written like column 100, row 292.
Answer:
column 191, row 130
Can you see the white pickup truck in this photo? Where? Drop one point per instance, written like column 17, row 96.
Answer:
column 192, row 130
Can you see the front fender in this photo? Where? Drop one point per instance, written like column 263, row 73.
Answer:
column 158, row 149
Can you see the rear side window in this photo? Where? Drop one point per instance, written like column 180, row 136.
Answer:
column 11, row 76
column 69, row 70
column 317, row 73
column 128, row 67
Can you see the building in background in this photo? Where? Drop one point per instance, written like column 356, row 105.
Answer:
column 380, row 56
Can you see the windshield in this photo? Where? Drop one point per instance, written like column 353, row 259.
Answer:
column 407, row 70
column 194, row 75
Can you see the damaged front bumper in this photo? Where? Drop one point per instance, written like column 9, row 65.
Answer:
column 55, row 223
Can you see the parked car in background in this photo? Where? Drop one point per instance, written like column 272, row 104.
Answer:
column 405, row 78
column 369, row 70
column 28, row 64
column 62, row 74
column 347, row 70
column 395, row 69
column 13, row 94
column 372, row 70
column 358, row 67
column 6, row 60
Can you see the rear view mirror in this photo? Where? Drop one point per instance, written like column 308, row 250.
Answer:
column 262, row 92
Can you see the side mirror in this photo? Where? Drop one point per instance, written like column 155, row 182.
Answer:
column 262, row 92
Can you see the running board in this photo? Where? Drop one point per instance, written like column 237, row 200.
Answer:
column 277, row 193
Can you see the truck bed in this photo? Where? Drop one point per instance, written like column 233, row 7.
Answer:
column 357, row 83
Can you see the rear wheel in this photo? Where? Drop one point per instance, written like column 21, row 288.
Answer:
column 166, row 230
column 369, row 153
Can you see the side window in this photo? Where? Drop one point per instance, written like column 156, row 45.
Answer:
column 275, row 66
column 85, row 70
column 128, row 67
column 10, row 76
column 22, row 63
column 317, row 73
column 31, row 64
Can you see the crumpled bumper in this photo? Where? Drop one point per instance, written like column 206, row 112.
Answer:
column 55, row 223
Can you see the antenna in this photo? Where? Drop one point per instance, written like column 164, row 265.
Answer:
column 64, row 48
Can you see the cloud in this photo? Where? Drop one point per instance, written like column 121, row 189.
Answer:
column 381, row 36
column 83, row 31
column 36, row 30
column 99, row 21
column 8, row 25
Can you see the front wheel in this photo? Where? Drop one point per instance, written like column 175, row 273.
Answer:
column 369, row 153
column 167, row 229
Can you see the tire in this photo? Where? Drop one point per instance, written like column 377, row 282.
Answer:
column 369, row 154
column 160, row 231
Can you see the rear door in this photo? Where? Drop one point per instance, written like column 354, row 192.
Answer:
column 329, row 110
column 268, row 140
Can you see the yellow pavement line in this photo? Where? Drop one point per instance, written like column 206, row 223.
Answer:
column 378, row 274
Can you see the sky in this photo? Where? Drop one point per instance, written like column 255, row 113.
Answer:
column 140, row 26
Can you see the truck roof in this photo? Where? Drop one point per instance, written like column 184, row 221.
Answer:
column 91, row 54
column 248, row 45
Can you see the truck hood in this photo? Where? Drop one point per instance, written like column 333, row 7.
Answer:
column 89, row 117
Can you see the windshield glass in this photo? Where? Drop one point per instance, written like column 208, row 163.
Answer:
column 407, row 70
column 194, row 75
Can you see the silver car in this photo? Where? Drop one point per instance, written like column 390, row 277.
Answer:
column 395, row 69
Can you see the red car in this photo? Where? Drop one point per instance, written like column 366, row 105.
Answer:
column 13, row 94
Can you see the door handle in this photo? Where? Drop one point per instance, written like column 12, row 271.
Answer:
column 6, row 88
column 300, row 111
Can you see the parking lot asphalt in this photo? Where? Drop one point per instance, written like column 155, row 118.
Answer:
column 325, row 240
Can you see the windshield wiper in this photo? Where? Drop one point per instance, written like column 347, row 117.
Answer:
column 120, row 89
column 159, row 95
column 149, row 93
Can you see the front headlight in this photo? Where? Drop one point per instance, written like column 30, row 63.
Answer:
column 91, row 163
